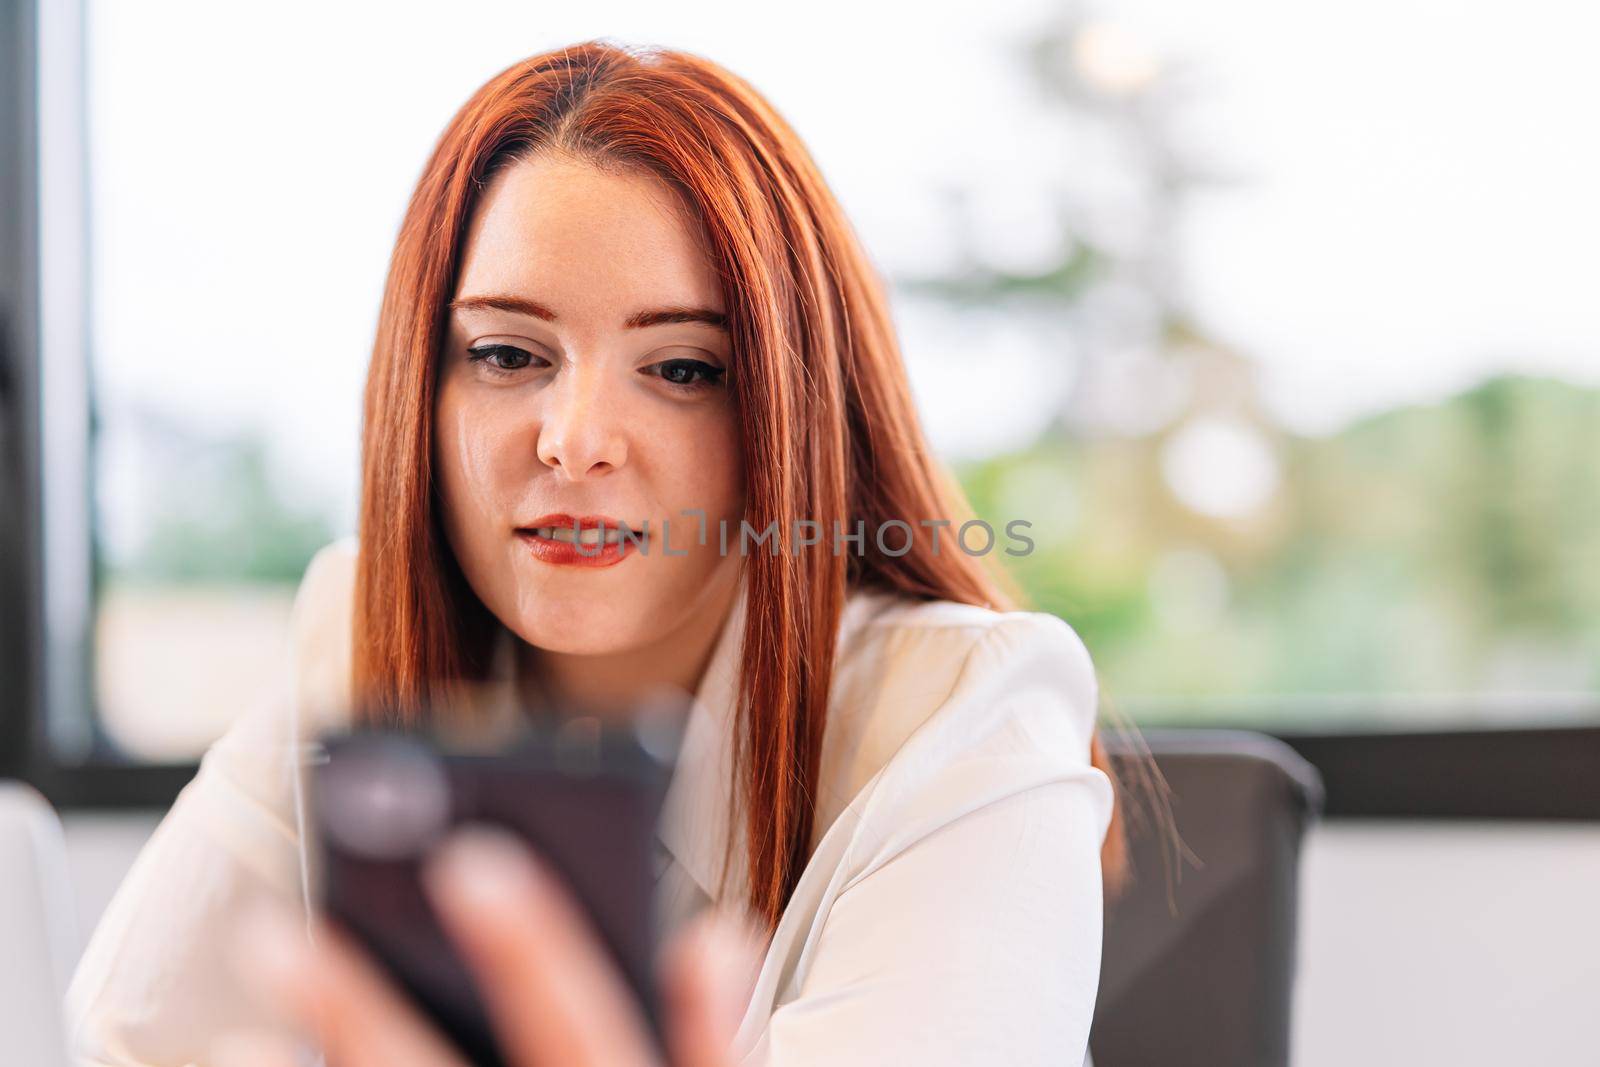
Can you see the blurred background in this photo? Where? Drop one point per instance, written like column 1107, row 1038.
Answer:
column 1277, row 322
column 1279, row 327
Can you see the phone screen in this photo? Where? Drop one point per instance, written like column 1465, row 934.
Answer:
column 585, row 796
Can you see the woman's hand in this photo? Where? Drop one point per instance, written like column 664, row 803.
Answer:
column 551, row 990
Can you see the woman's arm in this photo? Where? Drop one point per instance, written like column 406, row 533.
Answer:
column 967, row 926
column 156, row 981
column 978, row 944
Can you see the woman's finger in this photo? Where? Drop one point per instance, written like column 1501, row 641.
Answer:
column 552, row 991
column 330, row 987
column 707, row 973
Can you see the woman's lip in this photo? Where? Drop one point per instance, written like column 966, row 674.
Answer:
column 580, row 522
column 573, row 554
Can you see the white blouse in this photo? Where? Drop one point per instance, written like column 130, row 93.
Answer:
column 950, row 912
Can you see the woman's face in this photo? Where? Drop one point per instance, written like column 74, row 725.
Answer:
column 566, row 389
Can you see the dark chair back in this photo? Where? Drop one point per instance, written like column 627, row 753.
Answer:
column 1210, row 983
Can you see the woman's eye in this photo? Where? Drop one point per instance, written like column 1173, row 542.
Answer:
column 688, row 372
column 504, row 358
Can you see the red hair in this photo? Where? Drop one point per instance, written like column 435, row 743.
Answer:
column 828, row 426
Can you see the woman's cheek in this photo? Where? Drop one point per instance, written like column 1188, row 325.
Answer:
column 464, row 458
column 722, row 467
column 481, row 451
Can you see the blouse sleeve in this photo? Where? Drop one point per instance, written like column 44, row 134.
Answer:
column 968, row 925
column 156, row 982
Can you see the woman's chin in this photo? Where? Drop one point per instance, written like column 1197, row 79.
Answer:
column 586, row 630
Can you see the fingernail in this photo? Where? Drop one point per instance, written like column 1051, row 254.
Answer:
column 483, row 868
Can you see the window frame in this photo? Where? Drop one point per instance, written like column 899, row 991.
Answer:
column 46, row 563
column 1537, row 773
column 47, row 569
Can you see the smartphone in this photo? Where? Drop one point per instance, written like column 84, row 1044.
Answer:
column 585, row 795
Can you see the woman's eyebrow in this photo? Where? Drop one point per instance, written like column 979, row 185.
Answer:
column 637, row 321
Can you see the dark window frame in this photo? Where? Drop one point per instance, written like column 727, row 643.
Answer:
column 98, row 776
column 1534, row 774
column 1540, row 773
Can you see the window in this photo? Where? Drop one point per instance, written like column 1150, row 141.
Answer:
column 1275, row 329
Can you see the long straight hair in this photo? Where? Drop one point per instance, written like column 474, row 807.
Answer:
column 828, row 427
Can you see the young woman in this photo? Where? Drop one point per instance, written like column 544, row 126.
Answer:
column 623, row 297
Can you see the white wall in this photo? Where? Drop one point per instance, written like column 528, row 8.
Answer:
column 1474, row 945
column 1463, row 944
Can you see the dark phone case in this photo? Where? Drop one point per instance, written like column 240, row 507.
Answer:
column 382, row 798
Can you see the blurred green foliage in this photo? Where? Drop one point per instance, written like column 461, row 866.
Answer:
column 217, row 516
column 1452, row 548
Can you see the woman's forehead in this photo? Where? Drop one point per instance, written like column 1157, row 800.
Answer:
column 580, row 240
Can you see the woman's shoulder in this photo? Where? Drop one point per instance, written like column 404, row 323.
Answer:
column 329, row 574
column 321, row 635
column 923, row 686
column 877, row 612
column 154, row 974
column 930, row 651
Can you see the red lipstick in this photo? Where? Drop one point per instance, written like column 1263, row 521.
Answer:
column 551, row 539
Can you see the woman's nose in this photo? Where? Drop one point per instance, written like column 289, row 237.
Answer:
column 582, row 432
